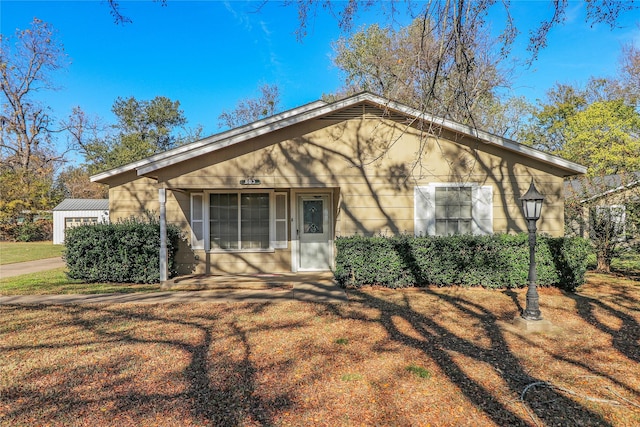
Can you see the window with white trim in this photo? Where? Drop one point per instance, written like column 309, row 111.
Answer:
column 239, row 221
column 453, row 210
column 236, row 221
column 442, row 209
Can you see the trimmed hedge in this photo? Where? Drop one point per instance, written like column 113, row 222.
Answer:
column 122, row 252
column 496, row 261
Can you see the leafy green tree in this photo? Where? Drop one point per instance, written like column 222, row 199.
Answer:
column 548, row 132
column 149, row 122
column 605, row 136
column 449, row 46
column 143, row 128
column 549, row 129
column 252, row 109
column 25, row 192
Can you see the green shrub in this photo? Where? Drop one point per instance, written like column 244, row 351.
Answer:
column 122, row 252
column 571, row 257
column 496, row 261
column 27, row 231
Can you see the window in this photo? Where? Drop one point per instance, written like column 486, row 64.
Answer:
column 312, row 213
column 223, row 221
column 239, row 221
column 254, row 221
column 75, row 222
column 608, row 222
column 444, row 209
column 453, row 210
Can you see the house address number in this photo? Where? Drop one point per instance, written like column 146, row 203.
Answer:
column 250, row 181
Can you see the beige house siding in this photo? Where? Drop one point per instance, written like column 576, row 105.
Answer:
column 369, row 165
column 376, row 191
column 130, row 195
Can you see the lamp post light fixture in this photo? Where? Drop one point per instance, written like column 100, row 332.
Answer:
column 532, row 206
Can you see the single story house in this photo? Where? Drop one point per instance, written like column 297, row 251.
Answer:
column 74, row 212
column 271, row 196
column 615, row 196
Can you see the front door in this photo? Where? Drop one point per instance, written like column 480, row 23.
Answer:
column 314, row 233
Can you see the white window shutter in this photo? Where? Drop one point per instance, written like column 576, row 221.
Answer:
column 197, row 221
column 483, row 210
column 424, row 220
column 280, row 221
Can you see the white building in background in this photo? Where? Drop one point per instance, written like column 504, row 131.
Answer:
column 74, row 212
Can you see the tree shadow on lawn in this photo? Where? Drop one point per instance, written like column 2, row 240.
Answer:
column 220, row 379
column 544, row 405
column 624, row 338
column 214, row 399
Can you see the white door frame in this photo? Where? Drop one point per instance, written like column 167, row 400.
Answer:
column 295, row 221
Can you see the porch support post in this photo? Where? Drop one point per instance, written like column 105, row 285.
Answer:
column 162, row 197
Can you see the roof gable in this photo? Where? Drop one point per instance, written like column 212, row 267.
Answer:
column 600, row 187
column 345, row 109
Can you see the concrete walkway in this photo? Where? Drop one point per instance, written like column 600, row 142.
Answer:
column 19, row 268
column 320, row 288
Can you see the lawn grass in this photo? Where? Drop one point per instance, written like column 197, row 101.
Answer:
column 413, row 357
column 11, row 252
column 627, row 262
column 56, row 282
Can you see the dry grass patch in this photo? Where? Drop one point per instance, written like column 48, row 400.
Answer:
column 437, row 356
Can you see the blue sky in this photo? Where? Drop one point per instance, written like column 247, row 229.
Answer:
column 210, row 54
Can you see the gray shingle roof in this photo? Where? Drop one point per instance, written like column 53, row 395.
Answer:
column 83, row 205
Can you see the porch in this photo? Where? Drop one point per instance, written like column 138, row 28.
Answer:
column 308, row 286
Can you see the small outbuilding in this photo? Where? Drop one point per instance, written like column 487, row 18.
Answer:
column 74, row 212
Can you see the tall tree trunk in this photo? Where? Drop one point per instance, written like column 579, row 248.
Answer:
column 604, row 262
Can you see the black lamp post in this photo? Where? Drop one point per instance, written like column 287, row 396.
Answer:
column 532, row 205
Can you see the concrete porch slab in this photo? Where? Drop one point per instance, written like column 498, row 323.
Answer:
column 309, row 287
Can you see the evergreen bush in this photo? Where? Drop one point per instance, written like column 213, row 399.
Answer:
column 496, row 261
column 123, row 252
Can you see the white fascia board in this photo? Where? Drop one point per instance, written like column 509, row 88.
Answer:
column 205, row 141
column 248, row 132
column 117, row 171
column 613, row 190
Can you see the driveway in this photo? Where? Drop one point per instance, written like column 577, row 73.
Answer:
column 19, row 268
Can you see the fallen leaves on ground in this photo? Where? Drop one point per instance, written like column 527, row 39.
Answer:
column 417, row 357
